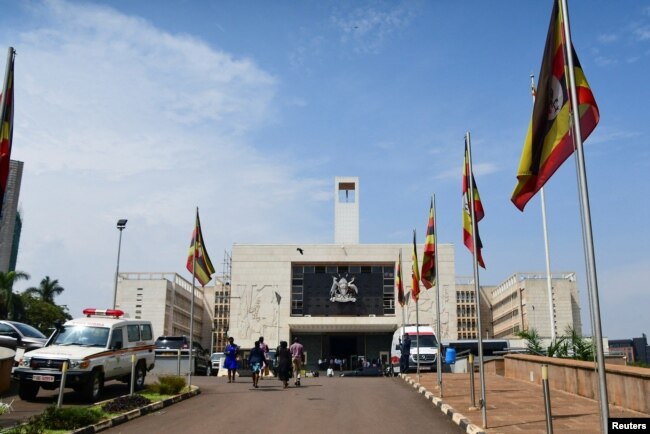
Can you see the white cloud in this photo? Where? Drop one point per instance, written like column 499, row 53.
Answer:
column 116, row 118
column 367, row 27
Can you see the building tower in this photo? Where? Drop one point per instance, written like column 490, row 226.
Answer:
column 346, row 210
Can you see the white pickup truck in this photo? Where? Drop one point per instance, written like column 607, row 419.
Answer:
column 98, row 347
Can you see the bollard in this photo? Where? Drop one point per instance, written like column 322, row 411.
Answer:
column 178, row 362
column 470, row 362
column 64, row 372
column 132, row 373
column 547, row 400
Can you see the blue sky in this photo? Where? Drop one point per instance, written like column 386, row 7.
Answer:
column 249, row 109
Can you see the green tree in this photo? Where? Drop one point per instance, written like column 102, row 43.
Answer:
column 46, row 290
column 533, row 341
column 41, row 314
column 11, row 306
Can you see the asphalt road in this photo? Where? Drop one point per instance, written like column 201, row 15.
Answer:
column 322, row 405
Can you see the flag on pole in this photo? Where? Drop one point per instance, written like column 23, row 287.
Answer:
column 478, row 210
column 415, row 274
column 399, row 283
column 549, row 139
column 7, row 126
column 199, row 256
column 429, row 255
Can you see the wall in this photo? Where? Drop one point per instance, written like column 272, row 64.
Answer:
column 627, row 386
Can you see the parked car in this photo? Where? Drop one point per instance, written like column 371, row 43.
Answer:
column 216, row 362
column 371, row 371
column 17, row 334
column 167, row 346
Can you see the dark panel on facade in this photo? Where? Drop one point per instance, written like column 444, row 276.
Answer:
column 317, row 283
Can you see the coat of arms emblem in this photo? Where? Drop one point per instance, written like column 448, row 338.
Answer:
column 343, row 290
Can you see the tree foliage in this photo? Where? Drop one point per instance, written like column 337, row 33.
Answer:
column 11, row 306
column 47, row 289
column 570, row 346
column 42, row 314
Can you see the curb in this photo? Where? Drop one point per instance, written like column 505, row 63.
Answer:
column 125, row 417
column 457, row 418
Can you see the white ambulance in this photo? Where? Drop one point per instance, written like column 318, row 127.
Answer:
column 428, row 345
column 97, row 348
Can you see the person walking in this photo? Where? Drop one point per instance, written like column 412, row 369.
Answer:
column 297, row 354
column 283, row 357
column 230, row 363
column 265, row 350
column 405, row 353
column 256, row 361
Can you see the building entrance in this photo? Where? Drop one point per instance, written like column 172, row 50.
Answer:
column 342, row 347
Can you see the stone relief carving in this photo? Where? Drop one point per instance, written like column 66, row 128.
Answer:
column 343, row 290
column 257, row 312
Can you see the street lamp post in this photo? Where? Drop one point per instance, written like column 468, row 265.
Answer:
column 121, row 224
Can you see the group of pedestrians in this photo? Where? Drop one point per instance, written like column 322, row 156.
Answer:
column 289, row 361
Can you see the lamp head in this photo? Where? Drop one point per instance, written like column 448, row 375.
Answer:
column 121, row 223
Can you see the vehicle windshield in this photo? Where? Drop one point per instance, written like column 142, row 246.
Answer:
column 216, row 356
column 29, row 331
column 82, row 335
column 425, row 341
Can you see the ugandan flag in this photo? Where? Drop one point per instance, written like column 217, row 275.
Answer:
column 478, row 211
column 199, row 256
column 415, row 273
column 399, row 284
column 7, row 127
column 549, row 139
column 429, row 255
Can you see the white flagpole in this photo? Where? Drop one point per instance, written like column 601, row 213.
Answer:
column 586, row 215
column 477, row 292
column 417, row 336
column 438, row 332
column 549, row 286
column 196, row 236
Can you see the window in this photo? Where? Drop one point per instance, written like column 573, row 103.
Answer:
column 145, row 332
column 117, row 339
column 133, row 332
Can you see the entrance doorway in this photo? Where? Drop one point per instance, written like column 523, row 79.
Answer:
column 342, row 347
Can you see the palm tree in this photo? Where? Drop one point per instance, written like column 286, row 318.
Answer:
column 11, row 306
column 46, row 290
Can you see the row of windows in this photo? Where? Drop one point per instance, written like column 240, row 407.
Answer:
column 299, row 270
column 465, row 296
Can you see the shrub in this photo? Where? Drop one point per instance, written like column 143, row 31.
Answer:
column 168, row 385
column 70, row 418
column 126, row 403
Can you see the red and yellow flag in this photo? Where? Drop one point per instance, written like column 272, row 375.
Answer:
column 399, row 284
column 199, row 256
column 7, row 125
column 549, row 140
column 415, row 273
column 429, row 255
column 478, row 211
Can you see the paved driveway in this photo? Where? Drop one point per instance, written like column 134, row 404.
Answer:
column 323, row 405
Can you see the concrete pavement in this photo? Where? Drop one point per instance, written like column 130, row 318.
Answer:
column 513, row 406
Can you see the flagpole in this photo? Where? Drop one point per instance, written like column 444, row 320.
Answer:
column 196, row 236
column 438, row 332
column 417, row 331
column 586, row 215
column 404, row 297
column 483, row 403
column 549, row 286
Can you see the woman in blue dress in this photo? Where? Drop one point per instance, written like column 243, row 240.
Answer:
column 256, row 362
column 231, row 359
